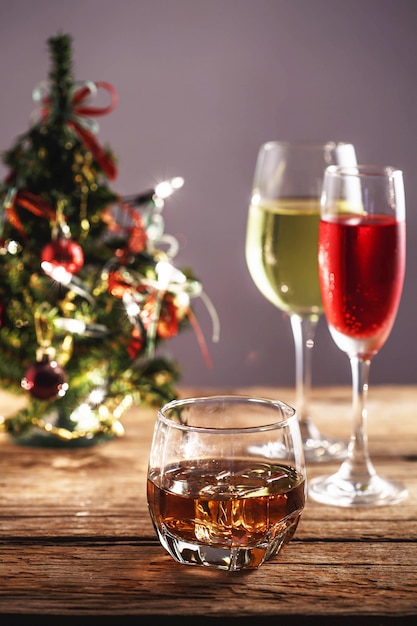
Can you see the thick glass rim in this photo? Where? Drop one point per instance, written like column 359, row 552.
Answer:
column 304, row 144
column 287, row 413
column 363, row 171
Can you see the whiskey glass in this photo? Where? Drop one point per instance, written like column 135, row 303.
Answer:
column 226, row 480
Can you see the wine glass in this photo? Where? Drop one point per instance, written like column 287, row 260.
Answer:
column 281, row 254
column 361, row 269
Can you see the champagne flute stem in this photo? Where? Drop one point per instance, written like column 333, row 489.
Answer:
column 358, row 467
column 304, row 330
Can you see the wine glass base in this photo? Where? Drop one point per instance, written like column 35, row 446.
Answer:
column 324, row 450
column 338, row 491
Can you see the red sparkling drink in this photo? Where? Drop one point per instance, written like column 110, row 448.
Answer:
column 361, row 268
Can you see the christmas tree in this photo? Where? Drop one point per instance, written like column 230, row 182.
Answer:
column 87, row 285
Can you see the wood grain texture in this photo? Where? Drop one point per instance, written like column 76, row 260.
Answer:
column 76, row 539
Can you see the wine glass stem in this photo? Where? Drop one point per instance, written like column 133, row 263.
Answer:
column 304, row 330
column 358, row 467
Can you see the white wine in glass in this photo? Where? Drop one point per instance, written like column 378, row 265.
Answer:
column 282, row 256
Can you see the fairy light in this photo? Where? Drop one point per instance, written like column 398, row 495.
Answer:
column 85, row 418
column 167, row 187
column 10, row 247
column 131, row 306
column 57, row 273
column 70, row 325
column 177, row 182
column 63, row 388
column 97, row 396
column 14, row 247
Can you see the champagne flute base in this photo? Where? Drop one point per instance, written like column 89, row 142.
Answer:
column 324, row 450
column 335, row 490
column 317, row 447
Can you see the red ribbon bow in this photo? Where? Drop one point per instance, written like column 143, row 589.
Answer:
column 29, row 201
column 79, row 110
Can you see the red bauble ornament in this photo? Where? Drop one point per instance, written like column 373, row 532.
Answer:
column 118, row 283
column 168, row 321
column 45, row 379
column 136, row 344
column 65, row 253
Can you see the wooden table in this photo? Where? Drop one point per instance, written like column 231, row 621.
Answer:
column 77, row 545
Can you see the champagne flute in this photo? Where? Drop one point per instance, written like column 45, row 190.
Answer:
column 361, row 269
column 281, row 254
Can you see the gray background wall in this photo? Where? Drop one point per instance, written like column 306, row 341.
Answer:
column 201, row 85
